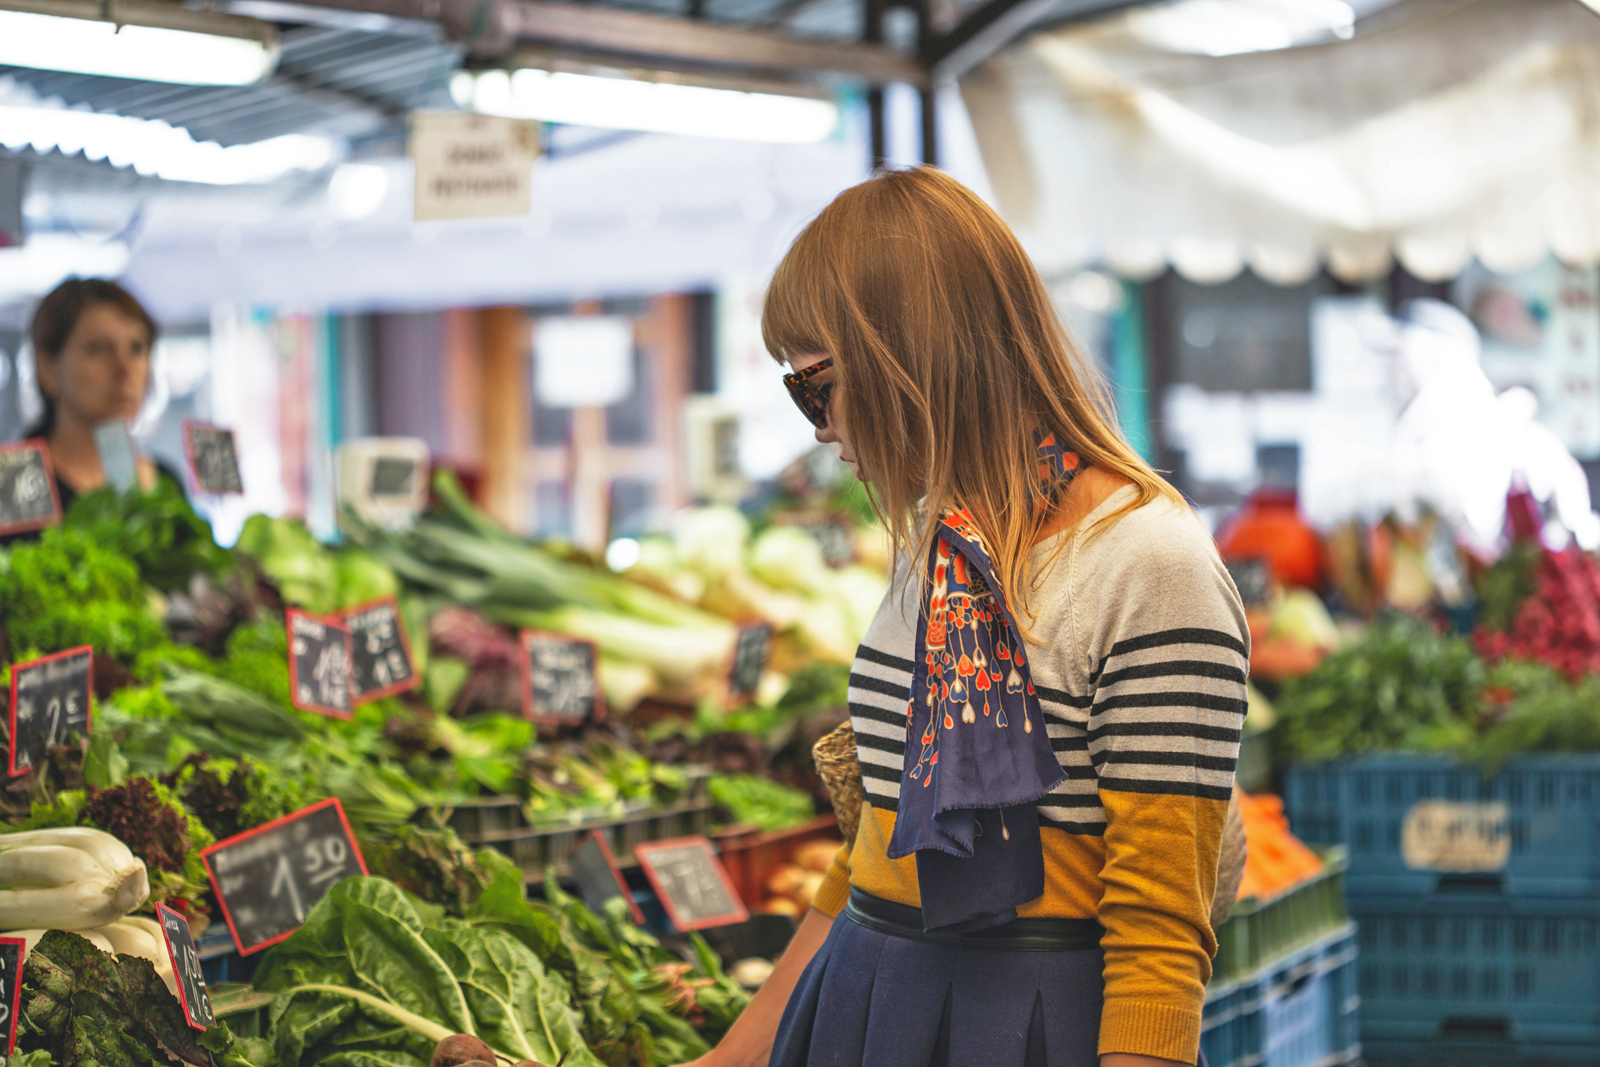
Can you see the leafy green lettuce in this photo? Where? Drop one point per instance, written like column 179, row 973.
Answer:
column 157, row 530
column 365, row 979
column 66, row 590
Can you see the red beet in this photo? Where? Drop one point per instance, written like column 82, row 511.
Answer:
column 462, row 1050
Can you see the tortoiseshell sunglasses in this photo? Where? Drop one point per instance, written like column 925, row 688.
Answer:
column 811, row 397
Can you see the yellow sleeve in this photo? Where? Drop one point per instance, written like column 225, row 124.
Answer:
column 1171, row 656
column 835, row 888
column 1159, row 877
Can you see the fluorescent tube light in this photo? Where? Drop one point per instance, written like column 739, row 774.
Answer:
column 1231, row 27
column 154, row 148
column 655, row 107
column 146, row 41
column 34, row 268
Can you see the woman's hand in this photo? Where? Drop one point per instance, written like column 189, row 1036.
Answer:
column 748, row 1043
column 1128, row 1059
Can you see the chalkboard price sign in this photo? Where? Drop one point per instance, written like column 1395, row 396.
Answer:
column 269, row 878
column 186, row 968
column 595, row 870
column 1253, row 578
column 560, row 683
column 50, row 700
column 12, row 949
column 692, row 883
column 393, row 476
column 320, row 664
column 28, row 499
column 213, row 459
column 751, row 650
column 381, row 655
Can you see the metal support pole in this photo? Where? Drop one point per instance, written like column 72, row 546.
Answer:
column 876, row 119
column 930, row 128
column 872, row 33
column 929, row 105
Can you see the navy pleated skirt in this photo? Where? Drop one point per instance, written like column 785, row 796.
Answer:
column 872, row 999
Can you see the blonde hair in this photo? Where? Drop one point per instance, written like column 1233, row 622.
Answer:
column 948, row 355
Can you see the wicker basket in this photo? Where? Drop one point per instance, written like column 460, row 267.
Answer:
column 840, row 771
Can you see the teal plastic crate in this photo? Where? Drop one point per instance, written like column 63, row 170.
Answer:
column 1506, row 971
column 1477, row 1054
column 1547, row 805
column 1259, row 931
column 1302, row 1010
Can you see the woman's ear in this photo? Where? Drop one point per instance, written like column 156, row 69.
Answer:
column 44, row 371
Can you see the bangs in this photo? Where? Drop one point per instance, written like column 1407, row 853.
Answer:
column 795, row 315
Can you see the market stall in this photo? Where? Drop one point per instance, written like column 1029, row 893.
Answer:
column 499, row 703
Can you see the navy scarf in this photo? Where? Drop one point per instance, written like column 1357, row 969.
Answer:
column 977, row 753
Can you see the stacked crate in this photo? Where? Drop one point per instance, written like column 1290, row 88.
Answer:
column 1478, row 902
column 1283, row 986
column 501, row 823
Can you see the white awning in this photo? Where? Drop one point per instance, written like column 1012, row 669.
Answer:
column 1442, row 131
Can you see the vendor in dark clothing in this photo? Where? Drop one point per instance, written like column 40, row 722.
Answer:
column 91, row 350
column 91, row 353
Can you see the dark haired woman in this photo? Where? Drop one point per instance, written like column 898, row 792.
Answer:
column 91, row 352
column 1047, row 707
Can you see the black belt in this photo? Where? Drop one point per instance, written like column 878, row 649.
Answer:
column 1018, row 935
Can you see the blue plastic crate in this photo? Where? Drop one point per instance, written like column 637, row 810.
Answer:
column 1548, row 806
column 1299, row 1011
column 1477, row 1054
column 1511, row 972
column 219, row 957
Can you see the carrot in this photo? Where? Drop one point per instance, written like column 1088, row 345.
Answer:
column 1277, row 860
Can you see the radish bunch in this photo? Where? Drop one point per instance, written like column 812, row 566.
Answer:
column 1559, row 623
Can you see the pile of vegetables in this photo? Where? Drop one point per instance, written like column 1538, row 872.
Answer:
column 714, row 560
column 67, row 879
column 651, row 643
column 376, row 975
column 1402, row 685
column 1543, row 606
column 82, row 1005
column 760, row 802
column 793, row 885
column 1276, row 860
column 195, row 740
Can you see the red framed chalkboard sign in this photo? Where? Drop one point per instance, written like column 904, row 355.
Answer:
column 691, row 882
column 12, row 951
column 560, row 679
column 268, row 879
column 52, row 697
column 321, row 664
column 599, row 879
column 381, row 663
column 28, row 496
column 186, row 971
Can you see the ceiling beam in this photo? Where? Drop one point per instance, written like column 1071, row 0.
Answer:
column 1000, row 22
column 633, row 33
column 495, row 27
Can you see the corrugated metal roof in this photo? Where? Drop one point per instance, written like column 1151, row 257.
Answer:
column 339, row 82
column 355, row 77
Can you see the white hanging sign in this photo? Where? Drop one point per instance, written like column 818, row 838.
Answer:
column 472, row 166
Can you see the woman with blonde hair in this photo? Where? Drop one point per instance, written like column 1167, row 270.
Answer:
column 1047, row 707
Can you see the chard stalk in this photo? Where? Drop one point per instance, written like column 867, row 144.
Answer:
column 410, row 1020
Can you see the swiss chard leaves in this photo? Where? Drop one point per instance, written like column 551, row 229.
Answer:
column 365, row 984
column 517, row 1005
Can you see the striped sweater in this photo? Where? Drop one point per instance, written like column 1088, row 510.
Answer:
column 1139, row 658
